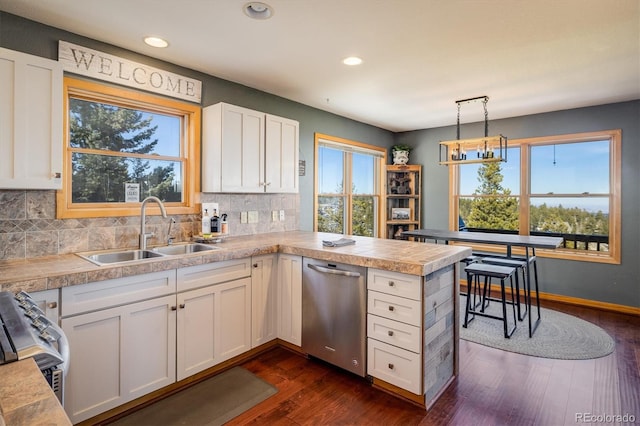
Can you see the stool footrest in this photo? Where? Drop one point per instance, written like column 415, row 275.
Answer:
column 490, row 270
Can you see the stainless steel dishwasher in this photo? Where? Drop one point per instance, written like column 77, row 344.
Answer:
column 334, row 313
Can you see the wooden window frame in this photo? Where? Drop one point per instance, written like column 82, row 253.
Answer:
column 190, row 151
column 348, row 196
column 613, row 256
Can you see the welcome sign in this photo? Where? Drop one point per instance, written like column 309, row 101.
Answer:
column 102, row 66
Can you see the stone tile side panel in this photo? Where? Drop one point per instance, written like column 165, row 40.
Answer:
column 438, row 330
column 29, row 228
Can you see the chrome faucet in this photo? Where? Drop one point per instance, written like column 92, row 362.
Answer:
column 143, row 235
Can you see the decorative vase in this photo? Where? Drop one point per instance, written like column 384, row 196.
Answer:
column 400, row 157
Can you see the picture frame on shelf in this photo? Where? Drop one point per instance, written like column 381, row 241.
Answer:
column 400, row 213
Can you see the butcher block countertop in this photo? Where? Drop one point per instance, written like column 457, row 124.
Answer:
column 409, row 257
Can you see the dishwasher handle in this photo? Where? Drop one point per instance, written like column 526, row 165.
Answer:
column 334, row 271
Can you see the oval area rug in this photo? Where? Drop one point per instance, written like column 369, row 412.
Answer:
column 559, row 335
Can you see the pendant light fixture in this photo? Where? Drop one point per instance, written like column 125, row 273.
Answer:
column 478, row 150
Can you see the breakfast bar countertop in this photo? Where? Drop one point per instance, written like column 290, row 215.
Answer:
column 408, row 257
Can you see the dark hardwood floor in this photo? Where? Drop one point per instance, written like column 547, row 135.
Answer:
column 493, row 388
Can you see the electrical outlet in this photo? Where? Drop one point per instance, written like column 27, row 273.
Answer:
column 274, row 216
column 253, row 216
column 243, row 217
column 210, row 208
column 281, row 215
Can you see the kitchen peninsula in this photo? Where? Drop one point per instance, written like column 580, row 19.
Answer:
column 423, row 274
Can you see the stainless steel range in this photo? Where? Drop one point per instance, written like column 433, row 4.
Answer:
column 25, row 332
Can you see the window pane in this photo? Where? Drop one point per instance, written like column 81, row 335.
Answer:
column 584, row 222
column 471, row 180
column 570, row 168
column 495, row 213
column 331, row 214
column 101, row 178
column 95, row 125
column 363, row 216
column 330, row 171
column 363, row 174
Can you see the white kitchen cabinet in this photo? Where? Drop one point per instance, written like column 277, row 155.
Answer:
column 30, row 121
column 264, row 281
column 394, row 328
column 290, row 298
column 122, row 339
column 118, row 354
column 248, row 151
column 214, row 316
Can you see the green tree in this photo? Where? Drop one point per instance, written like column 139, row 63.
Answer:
column 100, row 177
column 495, row 209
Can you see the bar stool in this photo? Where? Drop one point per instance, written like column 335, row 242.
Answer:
column 477, row 270
column 476, row 284
column 520, row 265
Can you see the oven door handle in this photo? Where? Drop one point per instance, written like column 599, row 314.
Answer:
column 63, row 348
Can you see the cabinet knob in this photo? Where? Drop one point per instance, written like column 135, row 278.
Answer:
column 391, row 283
column 57, row 175
column 255, row 265
column 390, row 366
column 182, row 306
column 390, row 333
column 391, row 308
column 52, row 305
column 174, row 308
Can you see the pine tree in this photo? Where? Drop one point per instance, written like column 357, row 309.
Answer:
column 494, row 208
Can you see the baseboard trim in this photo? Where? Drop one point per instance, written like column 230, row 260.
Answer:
column 576, row 301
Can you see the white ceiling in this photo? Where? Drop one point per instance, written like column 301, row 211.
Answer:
column 420, row 56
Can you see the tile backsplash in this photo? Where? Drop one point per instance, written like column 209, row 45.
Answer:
column 29, row 228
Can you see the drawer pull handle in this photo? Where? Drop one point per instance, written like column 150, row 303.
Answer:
column 391, row 283
column 174, row 308
column 52, row 305
column 390, row 366
column 391, row 308
column 182, row 306
column 390, row 332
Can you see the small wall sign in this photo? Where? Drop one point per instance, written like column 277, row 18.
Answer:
column 132, row 192
column 102, row 66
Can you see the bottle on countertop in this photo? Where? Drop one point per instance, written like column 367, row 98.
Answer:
column 224, row 225
column 215, row 222
column 206, row 223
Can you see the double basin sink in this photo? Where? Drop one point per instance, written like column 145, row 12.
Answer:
column 115, row 257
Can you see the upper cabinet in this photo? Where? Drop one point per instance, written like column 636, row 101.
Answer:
column 248, row 151
column 30, row 121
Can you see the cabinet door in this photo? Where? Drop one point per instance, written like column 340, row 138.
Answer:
column 117, row 355
column 263, row 299
column 233, row 321
column 149, row 346
column 93, row 382
column 232, row 149
column 197, row 338
column 290, row 298
column 281, row 151
column 30, row 121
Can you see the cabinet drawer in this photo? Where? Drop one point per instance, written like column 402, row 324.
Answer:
column 394, row 365
column 108, row 293
column 395, row 283
column 394, row 307
column 213, row 273
column 394, row 333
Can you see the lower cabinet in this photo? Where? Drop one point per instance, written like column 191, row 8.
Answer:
column 264, row 281
column 119, row 354
column 289, row 304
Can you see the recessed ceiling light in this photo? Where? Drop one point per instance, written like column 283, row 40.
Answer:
column 156, row 41
column 352, row 60
column 258, row 10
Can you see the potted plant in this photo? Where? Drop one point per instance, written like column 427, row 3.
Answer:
column 400, row 154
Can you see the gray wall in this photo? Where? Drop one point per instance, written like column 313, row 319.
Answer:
column 619, row 284
column 606, row 283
